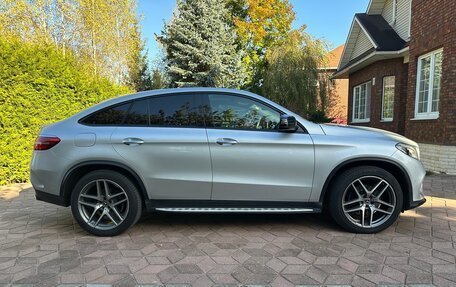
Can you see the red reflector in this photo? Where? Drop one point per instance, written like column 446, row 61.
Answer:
column 44, row 143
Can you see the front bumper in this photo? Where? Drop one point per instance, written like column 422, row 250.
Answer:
column 416, row 174
column 415, row 204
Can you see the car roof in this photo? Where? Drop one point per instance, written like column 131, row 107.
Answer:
column 117, row 100
column 181, row 90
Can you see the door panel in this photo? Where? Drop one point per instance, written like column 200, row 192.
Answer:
column 174, row 162
column 269, row 166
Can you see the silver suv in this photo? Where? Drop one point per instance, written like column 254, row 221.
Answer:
column 219, row 150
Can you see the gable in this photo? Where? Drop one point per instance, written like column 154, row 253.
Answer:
column 358, row 42
column 362, row 45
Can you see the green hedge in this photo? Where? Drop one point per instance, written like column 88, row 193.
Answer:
column 39, row 85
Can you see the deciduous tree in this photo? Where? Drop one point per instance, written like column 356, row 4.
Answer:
column 292, row 76
column 260, row 25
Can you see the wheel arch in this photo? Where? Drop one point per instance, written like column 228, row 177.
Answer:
column 391, row 166
column 74, row 174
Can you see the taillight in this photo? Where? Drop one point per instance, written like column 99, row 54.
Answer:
column 45, row 142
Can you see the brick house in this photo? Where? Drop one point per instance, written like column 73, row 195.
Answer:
column 400, row 60
column 339, row 87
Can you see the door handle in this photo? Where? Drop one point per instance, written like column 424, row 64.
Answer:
column 226, row 141
column 132, row 141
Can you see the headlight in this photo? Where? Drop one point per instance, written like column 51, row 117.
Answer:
column 409, row 150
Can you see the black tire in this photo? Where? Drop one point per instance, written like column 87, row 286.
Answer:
column 338, row 193
column 132, row 212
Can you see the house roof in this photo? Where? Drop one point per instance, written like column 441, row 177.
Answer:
column 383, row 42
column 384, row 36
column 334, row 57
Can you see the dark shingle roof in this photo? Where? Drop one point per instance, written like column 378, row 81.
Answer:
column 381, row 32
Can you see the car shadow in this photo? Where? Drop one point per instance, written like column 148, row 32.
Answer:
column 163, row 219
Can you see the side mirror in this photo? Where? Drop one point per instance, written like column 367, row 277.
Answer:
column 287, row 124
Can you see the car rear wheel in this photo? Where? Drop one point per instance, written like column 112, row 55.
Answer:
column 105, row 203
column 365, row 199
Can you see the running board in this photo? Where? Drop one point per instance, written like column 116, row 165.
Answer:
column 237, row 210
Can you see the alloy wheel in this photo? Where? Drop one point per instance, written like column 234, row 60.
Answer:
column 103, row 204
column 369, row 201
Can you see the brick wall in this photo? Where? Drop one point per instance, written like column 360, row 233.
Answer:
column 433, row 27
column 394, row 67
column 438, row 158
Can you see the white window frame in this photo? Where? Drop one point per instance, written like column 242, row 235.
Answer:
column 429, row 114
column 383, row 98
column 366, row 106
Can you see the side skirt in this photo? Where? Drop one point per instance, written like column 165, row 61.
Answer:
column 231, row 206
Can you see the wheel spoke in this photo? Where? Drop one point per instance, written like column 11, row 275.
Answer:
column 99, row 191
column 383, row 211
column 119, row 202
column 371, row 211
column 115, row 195
column 357, row 192
column 93, row 213
column 113, row 208
column 99, row 219
column 364, row 187
column 110, row 217
column 375, row 188
column 353, row 201
column 106, row 189
column 89, row 196
column 88, row 204
column 385, row 203
column 381, row 192
column 354, row 209
column 363, row 212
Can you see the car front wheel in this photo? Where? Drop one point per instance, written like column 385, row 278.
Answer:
column 365, row 199
column 105, row 203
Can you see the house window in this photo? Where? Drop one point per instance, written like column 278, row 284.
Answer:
column 361, row 102
column 428, row 85
column 388, row 98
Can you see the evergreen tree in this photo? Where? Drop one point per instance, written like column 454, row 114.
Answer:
column 199, row 46
column 158, row 81
column 140, row 78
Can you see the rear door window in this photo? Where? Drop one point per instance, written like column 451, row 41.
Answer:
column 180, row 110
column 138, row 114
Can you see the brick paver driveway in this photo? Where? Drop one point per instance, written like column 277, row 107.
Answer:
column 40, row 243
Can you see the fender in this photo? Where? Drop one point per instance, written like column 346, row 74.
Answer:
column 372, row 160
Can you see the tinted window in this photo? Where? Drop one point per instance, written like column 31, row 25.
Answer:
column 110, row 116
column 138, row 114
column 176, row 110
column 236, row 112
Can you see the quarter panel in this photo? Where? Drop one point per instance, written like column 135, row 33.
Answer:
column 49, row 167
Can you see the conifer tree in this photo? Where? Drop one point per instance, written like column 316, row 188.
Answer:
column 199, row 46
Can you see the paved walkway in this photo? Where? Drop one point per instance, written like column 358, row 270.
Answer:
column 41, row 244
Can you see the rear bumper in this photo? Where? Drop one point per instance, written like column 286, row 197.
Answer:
column 50, row 198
